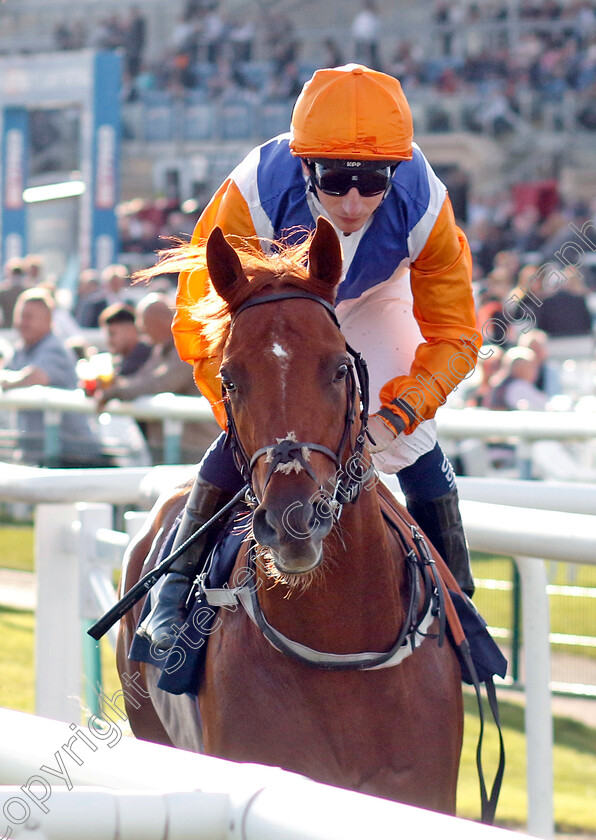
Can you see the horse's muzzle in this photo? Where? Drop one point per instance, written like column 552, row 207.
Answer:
column 294, row 535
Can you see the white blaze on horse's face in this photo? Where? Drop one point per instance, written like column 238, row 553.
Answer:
column 282, row 354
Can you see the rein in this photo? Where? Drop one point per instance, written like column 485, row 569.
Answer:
column 292, row 453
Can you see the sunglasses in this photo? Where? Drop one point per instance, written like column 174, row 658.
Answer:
column 334, row 181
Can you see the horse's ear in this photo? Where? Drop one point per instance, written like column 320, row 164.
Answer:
column 324, row 256
column 223, row 264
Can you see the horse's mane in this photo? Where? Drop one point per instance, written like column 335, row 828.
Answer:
column 286, row 265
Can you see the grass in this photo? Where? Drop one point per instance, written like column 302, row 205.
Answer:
column 574, row 754
column 17, row 548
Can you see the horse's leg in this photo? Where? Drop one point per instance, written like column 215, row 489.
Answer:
column 178, row 714
column 143, row 718
column 140, row 557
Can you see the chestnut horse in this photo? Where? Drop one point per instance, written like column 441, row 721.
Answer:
column 334, row 669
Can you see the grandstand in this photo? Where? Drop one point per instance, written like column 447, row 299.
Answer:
column 501, row 92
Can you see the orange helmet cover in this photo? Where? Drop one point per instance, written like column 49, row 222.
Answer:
column 352, row 112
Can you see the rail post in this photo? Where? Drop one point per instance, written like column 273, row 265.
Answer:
column 57, row 627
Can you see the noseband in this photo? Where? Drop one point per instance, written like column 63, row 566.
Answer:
column 289, row 454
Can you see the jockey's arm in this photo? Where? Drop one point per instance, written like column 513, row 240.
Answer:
column 229, row 211
column 441, row 281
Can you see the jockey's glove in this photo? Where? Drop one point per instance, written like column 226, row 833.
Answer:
column 381, row 433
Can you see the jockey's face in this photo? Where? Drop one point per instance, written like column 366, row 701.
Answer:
column 349, row 212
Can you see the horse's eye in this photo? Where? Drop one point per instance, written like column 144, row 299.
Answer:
column 228, row 384
column 341, row 373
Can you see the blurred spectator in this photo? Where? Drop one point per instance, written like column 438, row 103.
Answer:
column 136, row 35
column 88, row 286
column 565, row 312
column 212, row 36
column 332, row 55
column 514, row 387
column 283, row 85
column 33, row 268
column 227, row 82
column 10, row 289
column 129, row 353
column 280, row 38
column 493, row 293
column 241, row 36
column 40, row 358
column 162, row 372
column 547, row 380
column 366, row 32
column 113, row 289
column 479, row 389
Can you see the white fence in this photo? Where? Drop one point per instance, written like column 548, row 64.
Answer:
column 152, row 792
column 520, row 429
column 76, row 550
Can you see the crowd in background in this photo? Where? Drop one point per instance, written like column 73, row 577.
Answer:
column 534, row 283
column 534, row 256
column 472, row 53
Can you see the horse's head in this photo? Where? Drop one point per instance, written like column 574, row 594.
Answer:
column 289, row 390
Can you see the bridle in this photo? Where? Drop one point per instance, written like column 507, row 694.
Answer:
column 350, row 476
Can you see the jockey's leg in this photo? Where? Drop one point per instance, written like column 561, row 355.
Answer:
column 432, row 499
column 216, row 482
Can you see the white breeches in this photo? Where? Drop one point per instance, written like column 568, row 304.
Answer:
column 382, row 327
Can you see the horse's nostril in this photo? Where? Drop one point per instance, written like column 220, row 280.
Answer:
column 263, row 526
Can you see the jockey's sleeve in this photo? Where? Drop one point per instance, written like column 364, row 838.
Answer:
column 441, row 280
column 228, row 210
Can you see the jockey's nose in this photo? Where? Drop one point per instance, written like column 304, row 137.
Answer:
column 352, row 202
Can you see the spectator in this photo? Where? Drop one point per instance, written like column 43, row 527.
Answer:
column 477, row 395
column 548, row 380
column 565, row 312
column 514, row 387
column 33, row 268
column 284, row 85
column 366, row 32
column 332, row 54
column 112, row 290
column 136, row 35
column 123, row 341
column 162, row 372
column 241, row 37
column 88, row 288
column 40, row 358
column 12, row 286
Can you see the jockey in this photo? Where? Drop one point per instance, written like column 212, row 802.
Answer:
column 404, row 301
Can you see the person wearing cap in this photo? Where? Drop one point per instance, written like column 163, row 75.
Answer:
column 405, row 300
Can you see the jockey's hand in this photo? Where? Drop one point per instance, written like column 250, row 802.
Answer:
column 382, row 432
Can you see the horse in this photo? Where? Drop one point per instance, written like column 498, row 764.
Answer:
column 339, row 673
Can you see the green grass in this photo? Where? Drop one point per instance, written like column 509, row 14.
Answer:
column 574, row 754
column 569, row 615
column 16, row 547
column 16, row 660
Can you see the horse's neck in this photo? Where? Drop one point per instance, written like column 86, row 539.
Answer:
column 354, row 601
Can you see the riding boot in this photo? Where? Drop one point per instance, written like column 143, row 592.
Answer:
column 440, row 520
column 169, row 609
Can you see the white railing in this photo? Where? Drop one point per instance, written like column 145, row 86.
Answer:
column 522, row 428
column 171, row 409
column 158, row 793
column 77, row 550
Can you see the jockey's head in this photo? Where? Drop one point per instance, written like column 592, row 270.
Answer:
column 351, row 126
